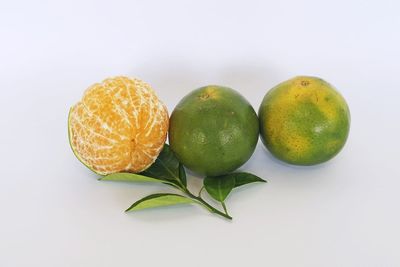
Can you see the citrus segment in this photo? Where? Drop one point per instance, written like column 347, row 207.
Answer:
column 119, row 125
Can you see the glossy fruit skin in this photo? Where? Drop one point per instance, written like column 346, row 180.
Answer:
column 213, row 130
column 304, row 121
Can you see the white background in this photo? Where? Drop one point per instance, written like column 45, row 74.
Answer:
column 53, row 211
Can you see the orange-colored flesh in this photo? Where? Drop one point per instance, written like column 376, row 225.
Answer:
column 119, row 125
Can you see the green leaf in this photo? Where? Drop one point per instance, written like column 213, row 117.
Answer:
column 131, row 177
column 242, row 178
column 219, row 187
column 182, row 174
column 165, row 167
column 159, row 200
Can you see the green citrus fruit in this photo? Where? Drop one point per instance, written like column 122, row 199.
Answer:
column 213, row 130
column 304, row 121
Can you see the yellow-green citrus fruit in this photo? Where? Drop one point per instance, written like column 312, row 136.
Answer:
column 213, row 130
column 304, row 121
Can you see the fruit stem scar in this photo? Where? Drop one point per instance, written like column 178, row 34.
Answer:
column 204, row 96
column 304, row 83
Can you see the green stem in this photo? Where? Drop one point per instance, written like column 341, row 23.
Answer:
column 201, row 190
column 206, row 205
column 200, row 200
column 223, row 206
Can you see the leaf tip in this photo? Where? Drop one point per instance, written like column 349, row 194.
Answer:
column 128, row 209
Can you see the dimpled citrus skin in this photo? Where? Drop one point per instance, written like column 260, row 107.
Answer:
column 118, row 125
column 304, row 121
column 213, row 130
